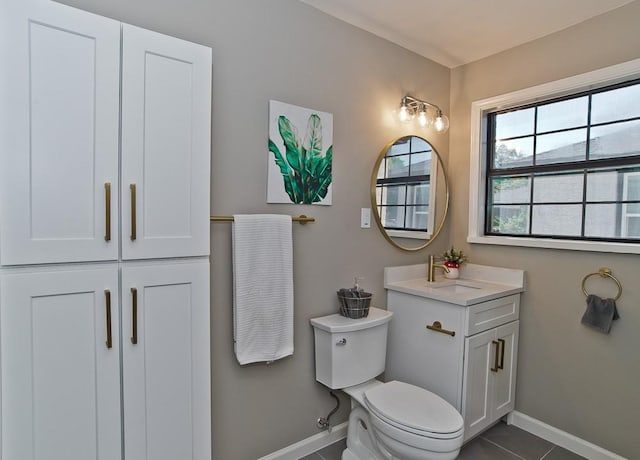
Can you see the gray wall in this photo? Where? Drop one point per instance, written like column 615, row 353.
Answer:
column 285, row 50
column 569, row 376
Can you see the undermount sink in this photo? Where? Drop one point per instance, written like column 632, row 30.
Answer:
column 454, row 286
column 478, row 283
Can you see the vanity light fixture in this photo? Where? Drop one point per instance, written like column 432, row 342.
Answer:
column 410, row 107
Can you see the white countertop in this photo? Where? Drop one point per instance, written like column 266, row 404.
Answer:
column 485, row 283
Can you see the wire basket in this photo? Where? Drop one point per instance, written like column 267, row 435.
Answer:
column 355, row 307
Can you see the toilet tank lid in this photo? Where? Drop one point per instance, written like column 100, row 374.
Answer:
column 338, row 323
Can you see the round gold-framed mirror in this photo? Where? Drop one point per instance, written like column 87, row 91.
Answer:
column 409, row 193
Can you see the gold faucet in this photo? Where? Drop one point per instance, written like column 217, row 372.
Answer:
column 431, row 269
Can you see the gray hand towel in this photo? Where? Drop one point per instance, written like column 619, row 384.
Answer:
column 600, row 313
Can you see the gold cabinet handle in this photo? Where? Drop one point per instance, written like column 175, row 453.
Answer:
column 132, row 188
column 107, row 296
column 502, row 347
column 134, row 316
column 437, row 326
column 107, row 210
column 496, row 356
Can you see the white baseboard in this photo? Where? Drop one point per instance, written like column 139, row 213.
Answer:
column 309, row 445
column 560, row 438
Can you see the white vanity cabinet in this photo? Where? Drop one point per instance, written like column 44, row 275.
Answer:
column 73, row 85
column 466, row 354
column 490, row 361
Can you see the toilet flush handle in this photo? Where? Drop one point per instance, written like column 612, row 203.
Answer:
column 341, row 342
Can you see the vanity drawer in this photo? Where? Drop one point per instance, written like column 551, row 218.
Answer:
column 487, row 315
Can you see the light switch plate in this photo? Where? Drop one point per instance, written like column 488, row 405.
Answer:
column 365, row 218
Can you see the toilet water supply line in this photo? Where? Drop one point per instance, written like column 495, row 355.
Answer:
column 323, row 422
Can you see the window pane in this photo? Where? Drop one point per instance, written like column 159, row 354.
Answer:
column 562, row 115
column 420, row 145
column 602, row 185
column 564, row 220
column 420, row 164
column 510, row 190
column 510, row 219
column 561, row 147
column 392, row 216
column 562, row 188
column 393, row 195
column 398, row 166
column 632, row 229
column 600, row 221
column 399, row 147
column 417, row 217
column 617, row 104
column 632, row 186
column 418, row 194
column 617, row 140
column 516, row 123
column 632, row 209
column 513, row 153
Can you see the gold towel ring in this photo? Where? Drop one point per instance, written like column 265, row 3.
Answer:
column 604, row 272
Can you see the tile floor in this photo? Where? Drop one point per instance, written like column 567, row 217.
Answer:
column 501, row 442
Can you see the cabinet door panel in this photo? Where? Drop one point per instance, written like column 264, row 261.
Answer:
column 410, row 342
column 166, row 104
column 476, row 401
column 60, row 381
column 504, row 389
column 166, row 373
column 58, row 134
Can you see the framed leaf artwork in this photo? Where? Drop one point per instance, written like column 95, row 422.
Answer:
column 300, row 155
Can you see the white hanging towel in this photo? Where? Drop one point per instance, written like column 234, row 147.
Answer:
column 262, row 287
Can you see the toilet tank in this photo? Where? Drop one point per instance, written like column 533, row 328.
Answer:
column 350, row 351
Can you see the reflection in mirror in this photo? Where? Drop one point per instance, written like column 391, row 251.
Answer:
column 409, row 193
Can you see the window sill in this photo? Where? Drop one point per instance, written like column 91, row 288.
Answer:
column 571, row 245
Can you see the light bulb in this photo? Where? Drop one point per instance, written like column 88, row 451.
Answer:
column 441, row 123
column 422, row 116
column 405, row 112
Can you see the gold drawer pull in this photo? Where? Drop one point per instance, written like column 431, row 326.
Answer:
column 132, row 188
column 107, row 207
column 134, row 316
column 495, row 367
column 437, row 326
column 502, row 343
column 107, row 296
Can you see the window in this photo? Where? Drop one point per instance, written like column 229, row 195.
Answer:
column 563, row 171
column 403, row 188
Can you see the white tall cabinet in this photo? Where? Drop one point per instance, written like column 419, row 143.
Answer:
column 104, row 239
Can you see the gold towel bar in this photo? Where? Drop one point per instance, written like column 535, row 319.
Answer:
column 302, row 219
column 605, row 273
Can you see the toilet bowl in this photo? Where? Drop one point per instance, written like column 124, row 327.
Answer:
column 388, row 421
column 401, row 421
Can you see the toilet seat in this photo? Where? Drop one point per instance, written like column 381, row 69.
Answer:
column 414, row 410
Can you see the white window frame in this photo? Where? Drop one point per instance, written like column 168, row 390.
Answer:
column 626, row 215
column 477, row 168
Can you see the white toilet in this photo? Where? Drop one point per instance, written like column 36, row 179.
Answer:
column 388, row 421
